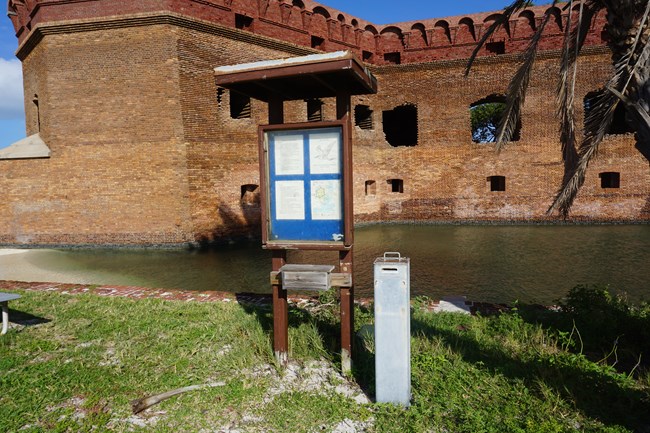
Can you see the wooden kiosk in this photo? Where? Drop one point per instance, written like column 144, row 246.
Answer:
column 306, row 177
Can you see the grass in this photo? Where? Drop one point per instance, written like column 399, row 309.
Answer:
column 78, row 369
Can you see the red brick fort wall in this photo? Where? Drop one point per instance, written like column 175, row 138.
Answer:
column 145, row 149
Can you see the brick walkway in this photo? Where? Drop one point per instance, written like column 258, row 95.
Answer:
column 135, row 292
column 256, row 299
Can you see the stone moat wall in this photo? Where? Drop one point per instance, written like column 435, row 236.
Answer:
column 145, row 149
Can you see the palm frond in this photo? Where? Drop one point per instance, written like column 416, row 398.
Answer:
column 597, row 124
column 574, row 38
column 515, row 6
column 600, row 118
column 645, row 53
column 517, row 90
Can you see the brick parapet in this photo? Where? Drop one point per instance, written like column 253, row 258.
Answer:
column 152, row 19
column 300, row 22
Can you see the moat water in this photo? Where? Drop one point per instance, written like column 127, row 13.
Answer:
column 485, row 263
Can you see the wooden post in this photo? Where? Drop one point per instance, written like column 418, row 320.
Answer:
column 280, row 313
column 343, row 112
column 280, row 305
column 347, row 313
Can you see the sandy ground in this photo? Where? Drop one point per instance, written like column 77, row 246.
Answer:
column 19, row 265
column 7, row 251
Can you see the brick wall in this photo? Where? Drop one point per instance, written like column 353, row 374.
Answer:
column 111, row 115
column 299, row 22
column 445, row 175
column 145, row 151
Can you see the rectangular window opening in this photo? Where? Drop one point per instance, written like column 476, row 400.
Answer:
column 610, row 179
column 396, row 185
column 363, row 117
column 220, row 93
column 393, row 58
column 242, row 22
column 497, row 183
column 496, row 47
column 317, row 43
column 240, row 106
column 371, row 187
column 314, row 110
column 367, row 56
column 400, row 125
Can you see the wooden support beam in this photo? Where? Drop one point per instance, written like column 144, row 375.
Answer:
column 280, row 313
column 338, row 279
column 279, row 258
column 344, row 114
column 347, row 314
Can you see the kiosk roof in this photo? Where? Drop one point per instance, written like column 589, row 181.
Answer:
column 312, row 76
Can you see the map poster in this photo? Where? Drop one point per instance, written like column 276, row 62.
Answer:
column 289, row 156
column 324, row 153
column 290, row 200
column 326, row 200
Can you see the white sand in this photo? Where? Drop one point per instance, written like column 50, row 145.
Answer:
column 8, row 251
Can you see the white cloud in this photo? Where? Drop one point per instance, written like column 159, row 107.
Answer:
column 11, row 89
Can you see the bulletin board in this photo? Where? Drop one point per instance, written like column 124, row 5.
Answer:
column 304, row 192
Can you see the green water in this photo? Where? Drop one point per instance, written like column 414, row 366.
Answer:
column 485, row 263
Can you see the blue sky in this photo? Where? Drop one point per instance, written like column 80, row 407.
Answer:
column 12, row 118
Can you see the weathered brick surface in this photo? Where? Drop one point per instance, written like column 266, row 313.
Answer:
column 416, row 41
column 110, row 113
column 144, row 150
column 445, row 176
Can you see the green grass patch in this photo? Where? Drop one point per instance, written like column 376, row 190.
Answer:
column 79, row 368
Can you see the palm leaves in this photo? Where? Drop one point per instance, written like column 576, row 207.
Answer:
column 628, row 31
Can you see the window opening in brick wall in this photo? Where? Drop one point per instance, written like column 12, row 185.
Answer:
column 393, row 58
column 396, row 185
column 220, row 93
column 363, row 117
column 485, row 117
column 240, row 106
column 610, row 179
column 314, row 110
column 619, row 123
column 496, row 47
column 250, row 195
column 242, row 22
column 317, row 43
column 497, row 183
column 401, row 125
column 371, row 187
column 604, row 36
column 366, row 56
column 38, row 113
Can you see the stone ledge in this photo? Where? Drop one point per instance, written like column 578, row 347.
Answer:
column 31, row 147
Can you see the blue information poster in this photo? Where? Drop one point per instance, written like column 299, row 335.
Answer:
column 305, row 184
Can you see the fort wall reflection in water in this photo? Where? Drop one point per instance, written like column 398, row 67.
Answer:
column 485, row 263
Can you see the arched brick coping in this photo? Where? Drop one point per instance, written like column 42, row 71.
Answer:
column 313, row 25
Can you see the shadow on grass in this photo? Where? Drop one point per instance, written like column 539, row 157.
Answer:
column 261, row 306
column 329, row 331
column 603, row 325
column 594, row 393
column 26, row 319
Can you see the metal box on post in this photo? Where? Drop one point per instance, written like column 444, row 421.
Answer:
column 392, row 329
column 306, row 277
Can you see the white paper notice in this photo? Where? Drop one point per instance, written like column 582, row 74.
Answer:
column 325, row 153
column 326, row 200
column 289, row 155
column 289, row 200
